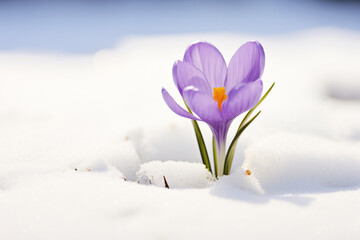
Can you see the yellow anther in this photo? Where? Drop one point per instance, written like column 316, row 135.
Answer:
column 219, row 96
column 248, row 172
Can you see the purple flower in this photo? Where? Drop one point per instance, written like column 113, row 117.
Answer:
column 217, row 93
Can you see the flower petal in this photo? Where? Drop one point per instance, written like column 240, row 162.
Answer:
column 175, row 107
column 247, row 65
column 202, row 104
column 209, row 60
column 242, row 98
column 185, row 74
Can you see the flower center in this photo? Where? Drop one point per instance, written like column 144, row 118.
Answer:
column 219, row 96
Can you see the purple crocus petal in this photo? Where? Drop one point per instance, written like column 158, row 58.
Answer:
column 209, row 60
column 175, row 107
column 203, row 105
column 247, row 65
column 185, row 74
column 242, row 98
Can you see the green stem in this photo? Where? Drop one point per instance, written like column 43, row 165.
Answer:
column 221, row 158
column 215, row 157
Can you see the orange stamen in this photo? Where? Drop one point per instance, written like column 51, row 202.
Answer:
column 248, row 172
column 219, row 96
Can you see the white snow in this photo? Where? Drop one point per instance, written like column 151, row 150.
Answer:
column 77, row 133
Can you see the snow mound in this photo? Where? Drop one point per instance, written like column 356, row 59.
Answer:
column 240, row 179
column 177, row 174
column 289, row 163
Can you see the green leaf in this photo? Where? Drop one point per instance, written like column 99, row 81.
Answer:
column 231, row 151
column 254, row 108
column 215, row 157
column 201, row 143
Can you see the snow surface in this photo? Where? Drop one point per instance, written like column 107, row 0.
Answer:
column 78, row 132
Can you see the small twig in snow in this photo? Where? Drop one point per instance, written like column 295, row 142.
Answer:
column 166, row 184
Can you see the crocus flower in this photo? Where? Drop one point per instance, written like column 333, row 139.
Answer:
column 215, row 92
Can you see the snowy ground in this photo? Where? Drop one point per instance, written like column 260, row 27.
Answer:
column 74, row 127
